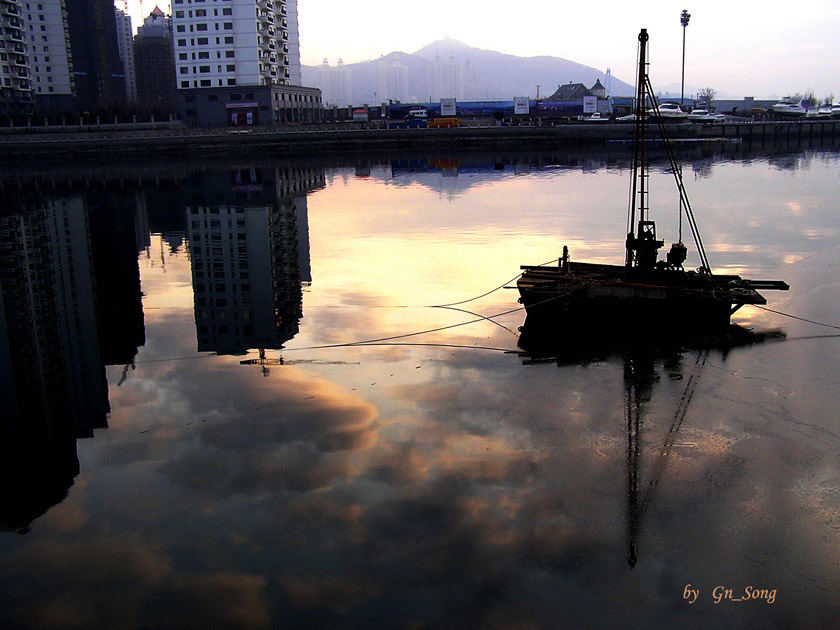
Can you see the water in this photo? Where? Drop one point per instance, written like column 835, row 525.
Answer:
column 153, row 479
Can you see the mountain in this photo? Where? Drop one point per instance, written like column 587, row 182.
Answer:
column 449, row 68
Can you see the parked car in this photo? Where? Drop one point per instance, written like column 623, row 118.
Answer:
column 597, row 117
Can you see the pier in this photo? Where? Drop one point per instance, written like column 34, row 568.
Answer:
column 174, row 139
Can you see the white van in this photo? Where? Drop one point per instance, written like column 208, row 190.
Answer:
column 417, row 113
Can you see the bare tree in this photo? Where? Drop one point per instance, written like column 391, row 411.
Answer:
column 828, row 100
column 810, row 97
column 706, row 95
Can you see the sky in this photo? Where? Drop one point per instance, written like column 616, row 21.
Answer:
column 767, row 49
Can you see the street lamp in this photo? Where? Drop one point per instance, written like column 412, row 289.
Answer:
column 684, row 17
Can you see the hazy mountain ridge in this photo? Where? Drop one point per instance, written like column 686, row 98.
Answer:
column 487, row 74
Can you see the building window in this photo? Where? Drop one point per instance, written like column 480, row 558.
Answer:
column 205, row 83
column 201, row 13
column 230, row 67
column 185, row 84
column 228, row 26
column 204, row 69
column 227, row 11
column 182, row 42
column 179, row 14
column 203, row 54
column 201, row 27
column 180, row 28
column 202, row 41
column 228, row 40
column 182, row 56
column 231, row 81
column 183, row 70
column 230, row 54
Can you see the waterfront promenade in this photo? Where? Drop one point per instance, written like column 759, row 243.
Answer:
column 174, row 139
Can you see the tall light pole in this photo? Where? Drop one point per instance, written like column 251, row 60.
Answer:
column 684, row 17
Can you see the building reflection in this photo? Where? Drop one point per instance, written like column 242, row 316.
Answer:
column 249, row 242
column 69, row 305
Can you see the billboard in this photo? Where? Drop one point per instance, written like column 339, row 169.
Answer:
column 590, row 104
column 521, row 105
column 447, row 107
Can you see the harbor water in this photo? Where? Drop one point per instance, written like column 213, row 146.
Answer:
column 292, row 394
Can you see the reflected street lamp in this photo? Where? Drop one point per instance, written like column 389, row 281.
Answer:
column 684, row 17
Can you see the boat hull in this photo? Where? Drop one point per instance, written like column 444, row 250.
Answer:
column 618, row 311
column 615, row 300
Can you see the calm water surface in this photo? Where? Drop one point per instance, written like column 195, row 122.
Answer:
column 217, row 413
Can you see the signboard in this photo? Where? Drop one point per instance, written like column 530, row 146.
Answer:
column 447, row 107
column 521, row 105
column 590, row 104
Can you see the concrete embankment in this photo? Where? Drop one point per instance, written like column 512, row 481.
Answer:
column 174, row 140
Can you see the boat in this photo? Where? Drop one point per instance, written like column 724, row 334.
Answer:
column 704, row 115
column 819, row 113
column 791, row 107
column 658, row 296
column 668, row 110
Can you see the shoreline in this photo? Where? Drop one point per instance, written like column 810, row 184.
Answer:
column 174, row 140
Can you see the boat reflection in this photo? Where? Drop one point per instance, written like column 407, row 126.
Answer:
column 644, row 364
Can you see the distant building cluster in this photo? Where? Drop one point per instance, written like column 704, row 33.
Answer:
column 446, row 78
column 68, row 57
column 335, row 83
column 391, row 80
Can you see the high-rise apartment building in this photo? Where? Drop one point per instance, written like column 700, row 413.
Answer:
column 238, row 63
column 154, row 64
column 48, row 42
column 97, row 69
column 15, row 80
column 125, row 39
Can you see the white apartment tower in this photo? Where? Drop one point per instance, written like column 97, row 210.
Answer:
column 237, row 63
column 48, row 40
column 15, row 83
column 220, row 43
